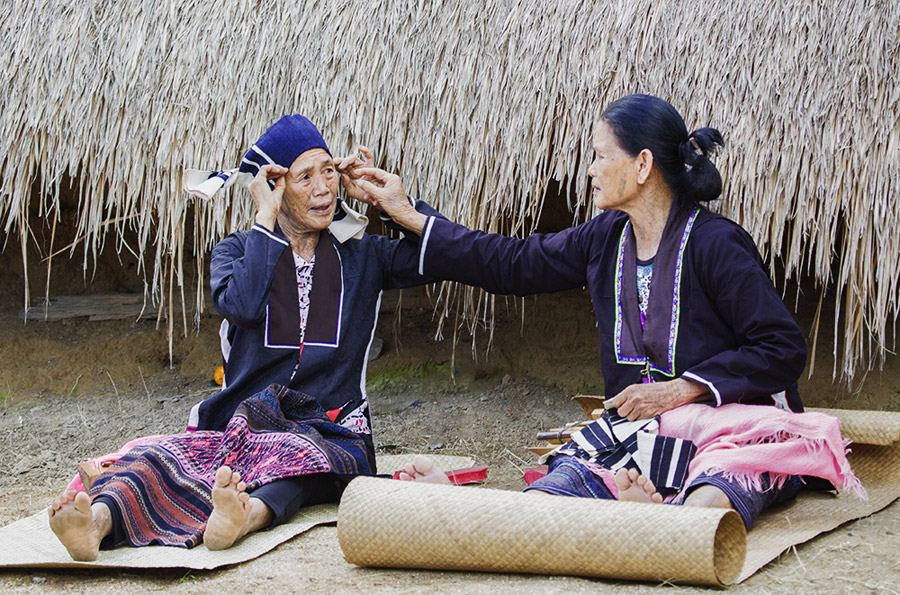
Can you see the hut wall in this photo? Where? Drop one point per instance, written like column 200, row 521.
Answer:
column 479, row 106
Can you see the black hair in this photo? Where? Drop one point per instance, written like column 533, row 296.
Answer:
column 646, row 122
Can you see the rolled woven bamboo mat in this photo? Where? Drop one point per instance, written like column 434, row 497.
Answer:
column 414, row 525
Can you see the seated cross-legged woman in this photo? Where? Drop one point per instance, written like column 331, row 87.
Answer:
column 300, row 292
column 693, row 335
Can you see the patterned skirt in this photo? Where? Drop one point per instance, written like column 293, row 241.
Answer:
column 163, row 489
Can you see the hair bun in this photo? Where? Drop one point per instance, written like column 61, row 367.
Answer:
column 702, row 142
column 701, row 179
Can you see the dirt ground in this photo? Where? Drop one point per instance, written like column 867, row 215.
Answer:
column 73, row 388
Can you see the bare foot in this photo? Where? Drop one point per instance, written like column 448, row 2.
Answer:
column 708, row 496
column 423, row 469
column 634, row 487
column 231, row 511
column 78, row 526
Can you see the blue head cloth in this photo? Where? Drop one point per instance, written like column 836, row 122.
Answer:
column 282, row 143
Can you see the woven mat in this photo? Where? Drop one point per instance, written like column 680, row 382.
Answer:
column 875, row 460
column 397, row 524
column 440, row 527
column 29, row 542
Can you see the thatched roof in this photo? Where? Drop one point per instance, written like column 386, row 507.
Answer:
column 477, row 105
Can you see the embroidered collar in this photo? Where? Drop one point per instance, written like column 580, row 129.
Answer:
column 654, row 345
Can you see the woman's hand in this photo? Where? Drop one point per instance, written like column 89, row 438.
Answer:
column 385, row 191
column 643, row 401
column 349, row 169
column 268, row 201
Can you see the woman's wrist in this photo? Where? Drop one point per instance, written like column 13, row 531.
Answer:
column 411, row 219
column 691, row 392
column 267, row 220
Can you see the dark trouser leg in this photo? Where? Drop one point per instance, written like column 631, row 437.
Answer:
column 568, row 477
column 748, row 502
column 285, row 497
column 117, row 536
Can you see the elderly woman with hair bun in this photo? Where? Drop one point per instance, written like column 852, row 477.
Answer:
column 688, row 319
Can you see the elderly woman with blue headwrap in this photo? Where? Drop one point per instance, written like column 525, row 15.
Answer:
column 300, row 293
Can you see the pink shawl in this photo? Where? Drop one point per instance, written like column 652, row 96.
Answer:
column 749, row 440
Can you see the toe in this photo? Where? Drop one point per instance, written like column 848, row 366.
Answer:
column 241, row 486
column 410, row 469
column 235, row 478
column 223, row 476
column 623, row 481
column 404, row 476
column 82, row 502
column 422, row 464
column 657, row 498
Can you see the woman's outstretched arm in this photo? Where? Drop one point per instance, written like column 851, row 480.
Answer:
column 494, row 262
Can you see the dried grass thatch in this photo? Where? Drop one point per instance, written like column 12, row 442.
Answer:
column 477, row 105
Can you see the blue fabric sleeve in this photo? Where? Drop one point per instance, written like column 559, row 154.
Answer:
column 400, row 258
column 505, row 265
column 241, row 271
column 772, row 350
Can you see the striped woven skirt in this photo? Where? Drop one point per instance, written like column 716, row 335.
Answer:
column 163, row 489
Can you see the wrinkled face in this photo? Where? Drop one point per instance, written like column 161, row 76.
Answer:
column 310, row 191
column 613, row 171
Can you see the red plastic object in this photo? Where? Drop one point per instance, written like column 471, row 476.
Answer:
column 534, row 474
column 461, row 477
column 468, row 475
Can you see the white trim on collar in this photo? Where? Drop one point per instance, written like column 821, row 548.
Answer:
column 271, row 235
column 337, row 340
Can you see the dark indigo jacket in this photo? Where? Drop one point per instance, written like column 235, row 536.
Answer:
column 264, row 335
column 734, row 334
